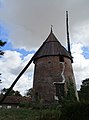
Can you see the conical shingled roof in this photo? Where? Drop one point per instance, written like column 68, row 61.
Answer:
column 51, row 47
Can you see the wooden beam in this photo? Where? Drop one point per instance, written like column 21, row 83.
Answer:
column 67, row 28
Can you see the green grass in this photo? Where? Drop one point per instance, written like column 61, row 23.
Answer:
column 18, row 114
column 27, row 114
column 70, row 111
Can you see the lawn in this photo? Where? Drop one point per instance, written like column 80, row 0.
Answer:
column 18, row 114
column 70, row 111
column 27, row 114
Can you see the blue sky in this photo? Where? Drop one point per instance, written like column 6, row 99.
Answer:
column 4, row 36
column 86, row 52
column 24, row 52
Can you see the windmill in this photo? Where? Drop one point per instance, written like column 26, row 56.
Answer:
column 53, row 70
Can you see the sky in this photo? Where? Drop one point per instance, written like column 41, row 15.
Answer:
column 25, row 24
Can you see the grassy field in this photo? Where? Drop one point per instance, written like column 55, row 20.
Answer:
column 70, row 111
column 19, row 114
column 27, row 114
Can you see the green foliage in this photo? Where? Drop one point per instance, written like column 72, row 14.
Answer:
column 75, row 111
column 31, row 111
column 1, row 45
column 84, row 90
column 24, row 105
column 29, row 114
column 17, row 93
column 70, row 97
column 50, row 115
column 12, row 92
column 19, row 114
column 29, row 92
column 39, row 106
column 72, row 111
column 1, row 52
column 33, row 105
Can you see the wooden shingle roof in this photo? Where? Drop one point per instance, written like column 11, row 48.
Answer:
column 51, row 47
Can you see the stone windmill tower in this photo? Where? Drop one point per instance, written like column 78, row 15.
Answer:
column 53, row 73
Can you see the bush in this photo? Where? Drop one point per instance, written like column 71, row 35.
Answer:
column 24, row 105
column 75, row 111
column 49, row 115
column 45, row 112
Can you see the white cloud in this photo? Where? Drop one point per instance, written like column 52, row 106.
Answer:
column 12, row 64
column 80, row 64
column 80, row 33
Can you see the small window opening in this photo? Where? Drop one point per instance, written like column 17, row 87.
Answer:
column 36, row 96
column 61, row 59
column 49, row 62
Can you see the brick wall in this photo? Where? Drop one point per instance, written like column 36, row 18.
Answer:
column 47, row 71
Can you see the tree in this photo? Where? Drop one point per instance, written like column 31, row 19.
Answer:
column 29, row 92
column 1, row 45
column 17, row 93
column 1, row 52
column 84, row 90
column 12, row 92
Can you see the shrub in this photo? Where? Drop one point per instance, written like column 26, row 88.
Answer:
column 24, row 105
column 75, row 111
column 50, row 115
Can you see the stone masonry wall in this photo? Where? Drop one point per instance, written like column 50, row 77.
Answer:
column 47, row 71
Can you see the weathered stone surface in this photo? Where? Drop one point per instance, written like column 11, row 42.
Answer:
column 53, row 71
column 48, row 70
